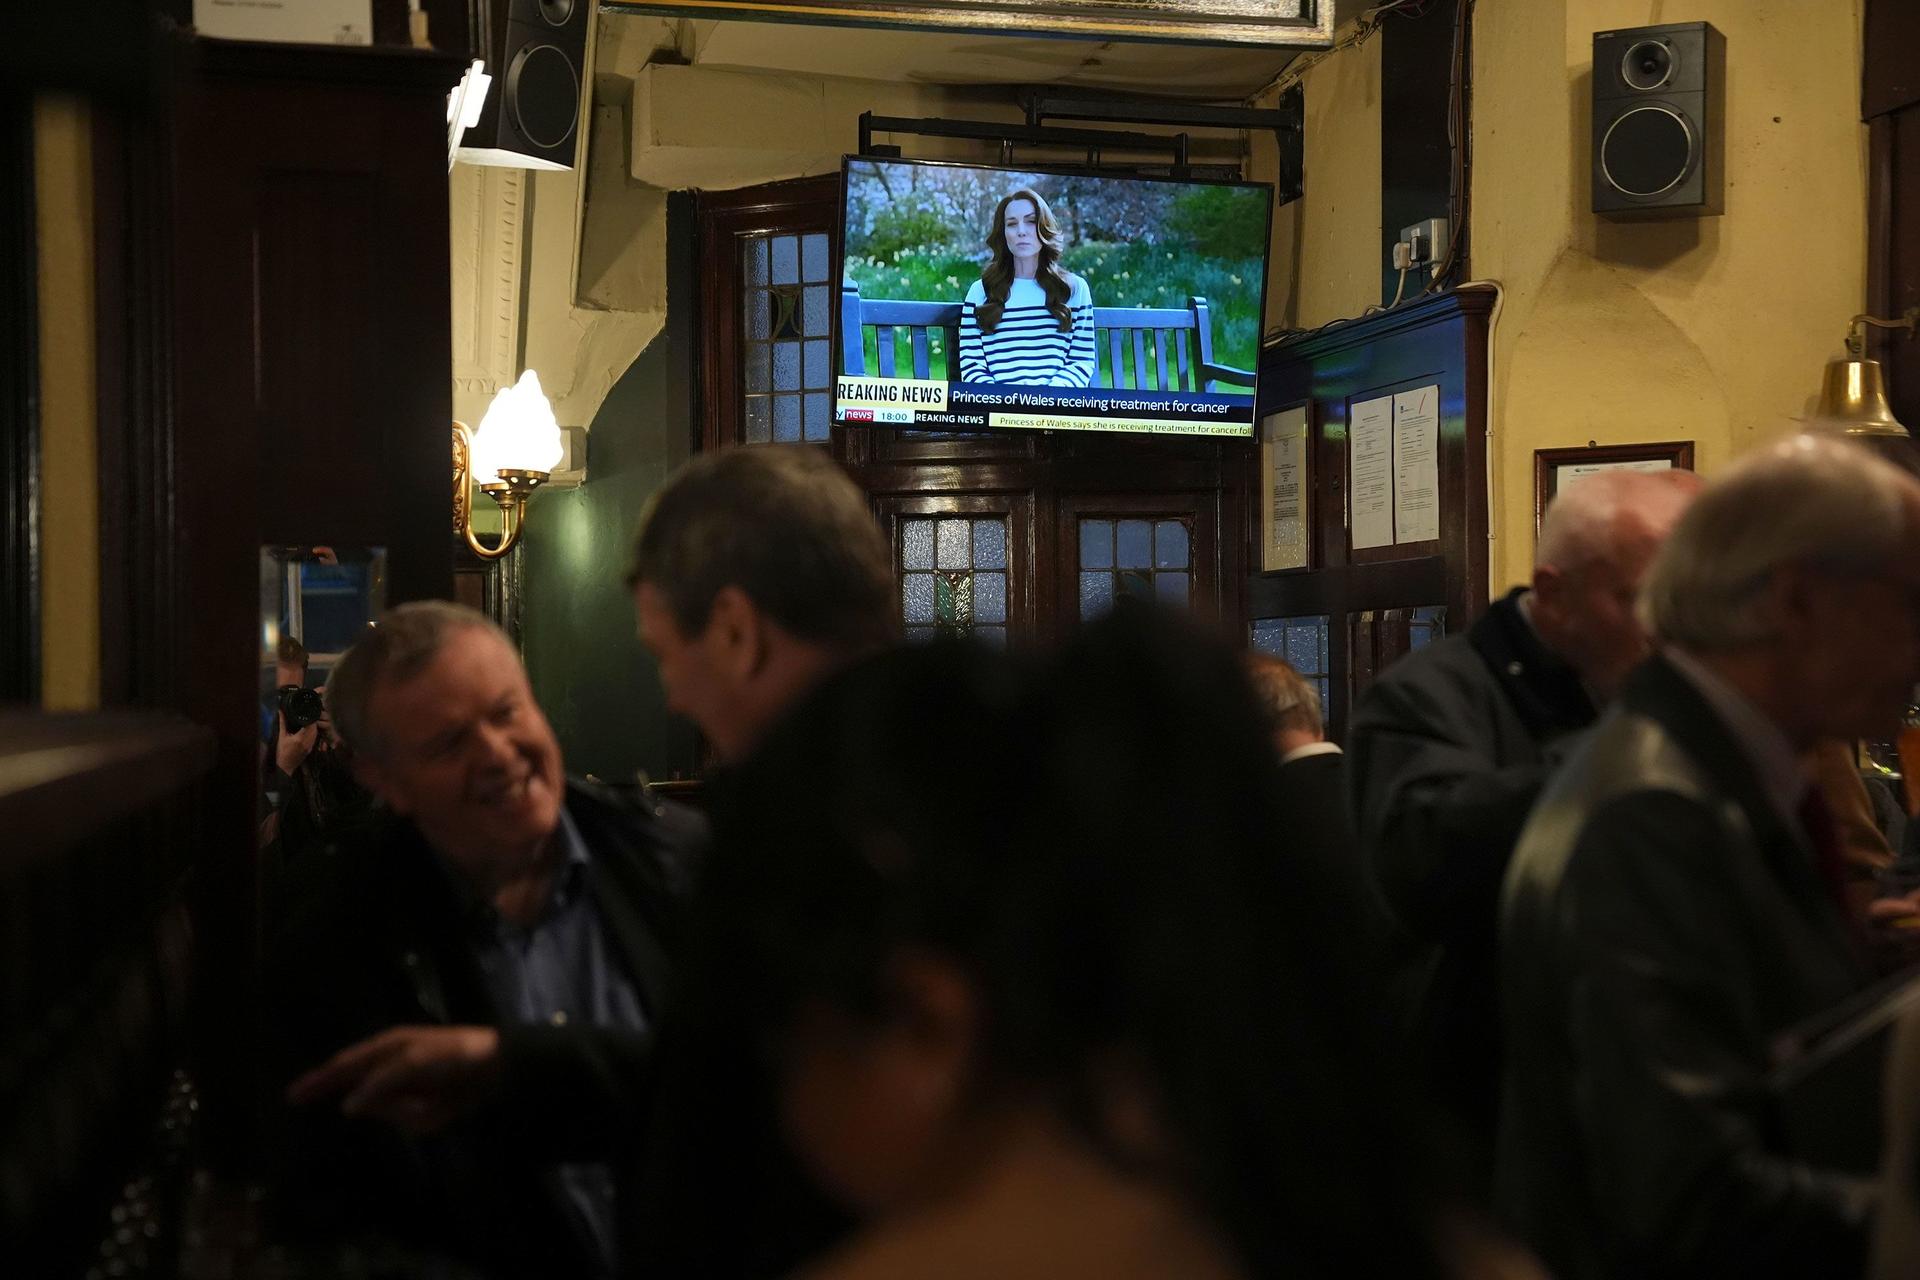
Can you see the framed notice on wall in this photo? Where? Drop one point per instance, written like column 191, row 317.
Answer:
column 1286, row 491
column 1556, row 469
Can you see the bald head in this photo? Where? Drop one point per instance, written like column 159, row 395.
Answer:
column 1596, row 542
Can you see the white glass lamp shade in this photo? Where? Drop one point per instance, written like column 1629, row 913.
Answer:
column 519, row 433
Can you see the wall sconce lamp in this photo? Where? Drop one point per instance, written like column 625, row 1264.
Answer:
column 1853, row 397
column 513, row 453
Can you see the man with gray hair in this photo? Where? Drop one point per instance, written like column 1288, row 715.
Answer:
column 471, row 992
column 1674, row 904
column 1451, row 745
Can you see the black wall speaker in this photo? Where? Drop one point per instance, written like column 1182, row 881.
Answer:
column 535, row 50
column 1659, row 109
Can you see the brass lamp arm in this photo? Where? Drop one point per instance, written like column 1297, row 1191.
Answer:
column 510, row 494
column 1856, row 328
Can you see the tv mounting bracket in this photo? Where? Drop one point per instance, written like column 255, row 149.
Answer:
column 1284, row 119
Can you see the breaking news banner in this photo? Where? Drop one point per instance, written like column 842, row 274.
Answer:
column 923, row 402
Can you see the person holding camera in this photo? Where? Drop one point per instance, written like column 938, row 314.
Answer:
column 310, row 795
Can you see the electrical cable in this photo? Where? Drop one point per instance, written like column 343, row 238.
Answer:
column 1363, row 29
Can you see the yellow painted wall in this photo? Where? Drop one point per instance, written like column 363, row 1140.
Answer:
column 1326, row 245
column 1712, row 330
column 69, row 481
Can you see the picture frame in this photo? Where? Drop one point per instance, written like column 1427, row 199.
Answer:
column 1304, row 24
column 1286, row 484
column 1554, row 468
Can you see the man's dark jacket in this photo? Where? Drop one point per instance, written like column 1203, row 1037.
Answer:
column 375, row 936
column 1449, row 748
column 1662, row 924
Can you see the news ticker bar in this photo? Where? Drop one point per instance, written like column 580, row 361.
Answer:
column 926, row 402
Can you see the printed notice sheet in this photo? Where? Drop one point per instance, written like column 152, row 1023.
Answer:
column 1416, row 465
column 1370, row 472
column 1568, row 474
column 1284, row 438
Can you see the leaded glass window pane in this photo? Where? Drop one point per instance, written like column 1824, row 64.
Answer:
column 990, row 545
column 819, row 426
column 813, row 253
column 955, row 546
column 786, row 366
column 1096, row 594
column 786, row 357
column 1096, row 544
column 756, row 377
column 953, row 578
column 1170, row 545
column 917, row 594
column 1147, row 560
column 989, row 595
column 786, row 419
column 786, row 259
column 916, row 544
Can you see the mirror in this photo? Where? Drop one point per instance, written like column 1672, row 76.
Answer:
column 315, row 602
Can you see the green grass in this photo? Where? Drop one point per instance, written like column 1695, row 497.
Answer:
column 1117, row 275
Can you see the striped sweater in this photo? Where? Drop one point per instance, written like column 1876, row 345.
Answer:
column 1028, row 346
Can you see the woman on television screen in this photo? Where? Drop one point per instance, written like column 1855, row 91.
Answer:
column 1027, row 320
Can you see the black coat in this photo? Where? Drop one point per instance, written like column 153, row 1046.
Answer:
column 1662, row 923
column 374, row 937
column 1313, row 794
column 1450, row 746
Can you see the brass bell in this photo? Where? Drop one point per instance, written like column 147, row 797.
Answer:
column 1853, row 400
column 1853, row 396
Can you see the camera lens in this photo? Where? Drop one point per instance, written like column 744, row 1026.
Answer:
column 1648, row 65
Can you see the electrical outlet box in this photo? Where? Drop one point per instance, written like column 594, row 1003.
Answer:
column 1426, row 241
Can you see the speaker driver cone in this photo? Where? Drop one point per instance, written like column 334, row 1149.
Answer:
column 1648, row 64
column 543, row 88
column 1647, row 152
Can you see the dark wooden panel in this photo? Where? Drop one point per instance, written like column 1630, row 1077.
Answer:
column 1439, row 340
column 63, row 778
column 19, row 408
column 1893, row 251
column 95, row 957
column 1891, row 47
column 249, row 342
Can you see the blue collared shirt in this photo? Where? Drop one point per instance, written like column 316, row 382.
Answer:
column 559, row 971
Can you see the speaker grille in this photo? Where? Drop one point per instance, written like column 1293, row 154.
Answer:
column 543, row 90
column 1647, row 151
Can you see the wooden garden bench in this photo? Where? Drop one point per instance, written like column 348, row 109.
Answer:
column 1139, row 348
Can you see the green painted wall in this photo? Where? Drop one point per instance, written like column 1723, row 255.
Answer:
column 597, row 684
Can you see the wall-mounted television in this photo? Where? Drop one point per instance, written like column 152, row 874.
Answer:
column 975, row 299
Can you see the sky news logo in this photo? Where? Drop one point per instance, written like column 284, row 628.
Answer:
column 877, row 415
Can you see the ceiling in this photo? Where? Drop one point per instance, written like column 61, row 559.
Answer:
column 946, row 58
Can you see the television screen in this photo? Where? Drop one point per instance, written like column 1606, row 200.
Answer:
column 975, row 298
